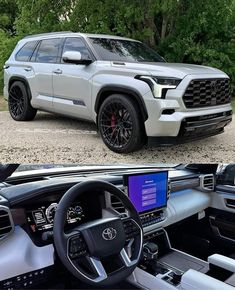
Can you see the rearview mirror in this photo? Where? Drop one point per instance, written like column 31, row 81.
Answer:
column 75, row 57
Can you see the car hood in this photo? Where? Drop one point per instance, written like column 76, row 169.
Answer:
column 179, row 70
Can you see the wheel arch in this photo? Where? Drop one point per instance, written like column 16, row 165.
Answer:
column 20, row 79
column 106, row 91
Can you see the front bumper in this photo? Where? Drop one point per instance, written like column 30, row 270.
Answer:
column 193, row 128
column 166, row 116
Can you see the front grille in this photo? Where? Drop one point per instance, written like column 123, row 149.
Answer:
column 207, row 92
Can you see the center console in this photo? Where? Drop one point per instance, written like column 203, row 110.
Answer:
column 163, row 267
column 156, row 247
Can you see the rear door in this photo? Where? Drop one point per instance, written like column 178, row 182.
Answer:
column 44, row 62
column 72, row 82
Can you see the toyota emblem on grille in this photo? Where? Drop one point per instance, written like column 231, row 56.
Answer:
column 109, row 234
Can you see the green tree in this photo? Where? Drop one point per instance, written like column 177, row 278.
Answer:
column 8, row 13
column 7, row 44
column 37, row 16
column 203, row 33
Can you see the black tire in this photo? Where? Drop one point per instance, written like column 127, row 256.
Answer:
column 120, row 124
column 19, row 103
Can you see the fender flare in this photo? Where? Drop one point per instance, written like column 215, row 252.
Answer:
column 112, row 89
column 20, row 79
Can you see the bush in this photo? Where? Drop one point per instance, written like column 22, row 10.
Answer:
column 6, row 46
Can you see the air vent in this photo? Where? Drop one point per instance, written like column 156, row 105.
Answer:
column 118, row 205
column 207, row 182
column 230, row 203
column 6, row 222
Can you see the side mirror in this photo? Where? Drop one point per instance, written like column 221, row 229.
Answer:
column 75, row 57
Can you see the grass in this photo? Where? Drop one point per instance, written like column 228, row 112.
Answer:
column 4, row 106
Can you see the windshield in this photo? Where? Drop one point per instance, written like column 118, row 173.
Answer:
column 124, row 50
column 45, row 167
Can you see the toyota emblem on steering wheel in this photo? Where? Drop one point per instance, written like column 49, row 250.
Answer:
column 109, row 234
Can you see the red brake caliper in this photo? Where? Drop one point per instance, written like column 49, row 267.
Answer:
column 113, row 122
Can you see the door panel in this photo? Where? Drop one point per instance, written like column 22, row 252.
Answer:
column 223, row 197
column 41, row 86
column 72, row 83
column 72, row 90
column 222, row 215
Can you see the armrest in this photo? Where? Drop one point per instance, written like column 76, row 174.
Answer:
column 194, row 280
column 222, row 262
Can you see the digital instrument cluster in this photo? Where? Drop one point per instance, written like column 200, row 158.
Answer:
column 42, row 218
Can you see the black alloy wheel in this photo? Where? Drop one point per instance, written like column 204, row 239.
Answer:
column 19, row 104
column 120, row 124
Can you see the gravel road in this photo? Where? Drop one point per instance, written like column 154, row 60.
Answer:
column 55, row 139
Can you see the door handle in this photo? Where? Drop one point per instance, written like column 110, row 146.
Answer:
column 58, row 71
column 28, row 69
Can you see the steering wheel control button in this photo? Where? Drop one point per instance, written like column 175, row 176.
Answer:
column 77, row 247
column 131, row 229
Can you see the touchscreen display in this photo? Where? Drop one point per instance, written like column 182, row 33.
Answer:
column 148, row 191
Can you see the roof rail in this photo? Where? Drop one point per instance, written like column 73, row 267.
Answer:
column 48, row 33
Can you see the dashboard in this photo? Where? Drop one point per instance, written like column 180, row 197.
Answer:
column 33, row 206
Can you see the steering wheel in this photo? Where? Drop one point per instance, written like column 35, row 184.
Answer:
column 103, row 251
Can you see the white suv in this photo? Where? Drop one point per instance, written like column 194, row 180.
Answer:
column 126, row 88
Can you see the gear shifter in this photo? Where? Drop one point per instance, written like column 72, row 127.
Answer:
column 150, row 251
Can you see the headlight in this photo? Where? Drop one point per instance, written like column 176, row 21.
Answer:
column 160, row 85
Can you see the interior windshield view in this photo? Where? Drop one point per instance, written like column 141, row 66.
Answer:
column 117, row 227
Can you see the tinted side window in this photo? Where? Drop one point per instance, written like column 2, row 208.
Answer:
column 76, row 44
column 48, row 50
column 26, row 51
